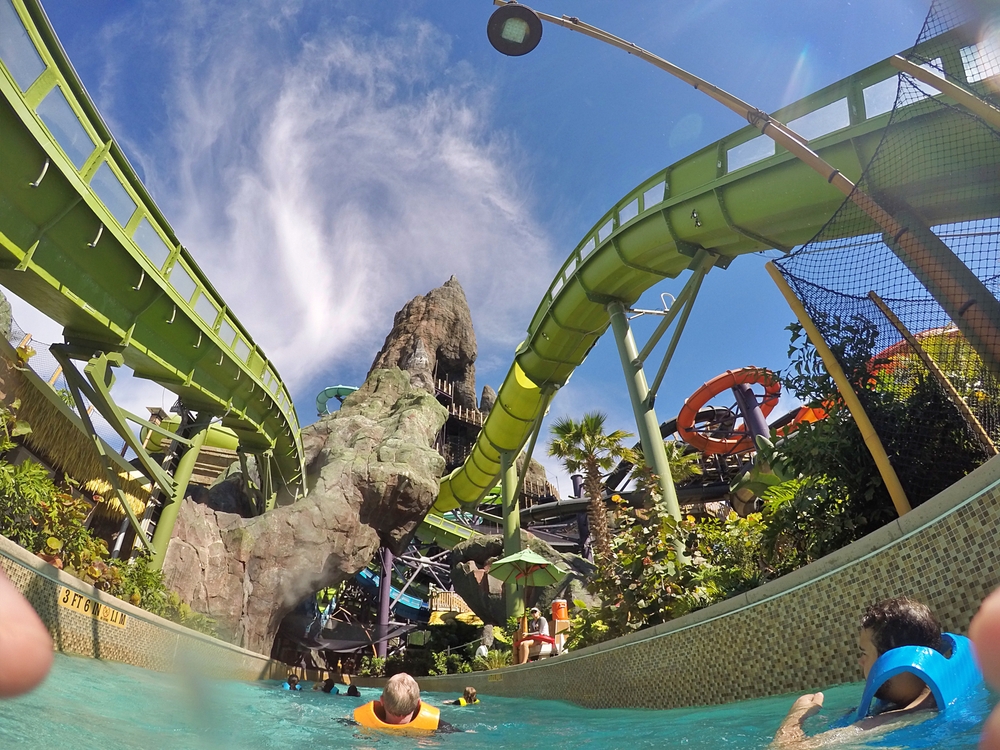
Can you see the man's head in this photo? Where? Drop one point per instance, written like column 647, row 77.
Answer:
column 890, row 624
column 400, row 698
column 469, row 694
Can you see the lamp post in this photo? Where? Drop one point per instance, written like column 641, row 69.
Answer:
column 972, row 307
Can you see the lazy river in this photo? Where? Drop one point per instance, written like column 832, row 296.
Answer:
column 89, row 704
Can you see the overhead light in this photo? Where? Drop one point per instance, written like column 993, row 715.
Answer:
column 514, row 29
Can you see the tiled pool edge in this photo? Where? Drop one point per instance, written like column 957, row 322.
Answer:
column 794, row 634
column 146, row 640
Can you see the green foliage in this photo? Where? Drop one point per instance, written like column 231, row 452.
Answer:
column 584, row 446
column 448, row 650
column 494, row 659
column 839, row 495
column 51, row 522
column 448, row 663
column 181, row 613
column 684, row 465
column 66, row 396
column 140, row 584
column 372, row 666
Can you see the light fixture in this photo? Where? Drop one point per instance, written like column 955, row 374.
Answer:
column 514, row 29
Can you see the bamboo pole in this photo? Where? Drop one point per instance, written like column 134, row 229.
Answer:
column 858, row 413
column 952, row 90
column 970, row 418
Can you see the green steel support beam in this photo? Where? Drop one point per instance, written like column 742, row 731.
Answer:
column 75, row 382
column 646, row 422
column 703, row 264
column 97, row 389
column 511, row 528
column 172, row 504
column 153, row 427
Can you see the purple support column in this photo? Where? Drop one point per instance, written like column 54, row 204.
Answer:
column 384, row 600
column 750, row 409
column 577, row 480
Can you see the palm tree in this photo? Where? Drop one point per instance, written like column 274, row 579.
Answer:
column 584, row 447
column 684, row 464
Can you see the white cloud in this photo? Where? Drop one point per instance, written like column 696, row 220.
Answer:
column 323, row 182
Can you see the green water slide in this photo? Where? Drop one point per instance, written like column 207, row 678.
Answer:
column 739, row 195
column 442, row 532
column 82, row 240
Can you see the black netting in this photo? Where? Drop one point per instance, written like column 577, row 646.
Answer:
column 934, row 264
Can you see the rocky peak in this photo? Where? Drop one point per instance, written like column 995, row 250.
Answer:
column 432, row 338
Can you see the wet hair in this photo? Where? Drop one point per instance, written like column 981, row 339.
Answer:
column 469, row 694
column 292, row 678
column 902, row 622
column 329, row 685
column 352, row 690
column 401, row 695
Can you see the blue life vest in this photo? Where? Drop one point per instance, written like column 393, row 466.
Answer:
column 948, row 678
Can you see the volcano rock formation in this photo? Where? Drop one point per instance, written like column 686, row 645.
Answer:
column 432, row 337
column 372, row 477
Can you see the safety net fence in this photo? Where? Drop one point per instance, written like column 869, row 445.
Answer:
column 914, row 330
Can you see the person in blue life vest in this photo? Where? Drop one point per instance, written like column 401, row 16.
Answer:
column 887, row 625
column 468, row 698
column 327, row 686
column 291, row 683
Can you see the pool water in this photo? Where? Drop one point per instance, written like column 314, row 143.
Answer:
column 86, row 704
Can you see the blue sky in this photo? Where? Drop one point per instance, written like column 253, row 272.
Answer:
column 324, row 162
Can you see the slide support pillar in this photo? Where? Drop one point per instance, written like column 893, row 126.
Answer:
column 384, row 602
column 646, row 422
column 751, row 412
column 511, row 527
column 172, row 503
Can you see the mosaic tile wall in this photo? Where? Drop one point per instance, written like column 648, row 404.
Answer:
column 796, row 634
column 121, row 632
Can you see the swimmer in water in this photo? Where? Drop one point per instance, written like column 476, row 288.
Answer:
column 884, row 626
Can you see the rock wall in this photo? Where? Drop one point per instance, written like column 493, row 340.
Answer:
column 432, row 336
column 372, row 477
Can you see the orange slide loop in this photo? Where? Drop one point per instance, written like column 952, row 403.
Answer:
column 741, row 439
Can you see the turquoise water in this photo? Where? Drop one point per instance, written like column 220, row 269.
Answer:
column 86, row 704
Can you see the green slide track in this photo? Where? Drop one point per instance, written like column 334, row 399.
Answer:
column 442, row 532
column 82, row 241
column 739, row 195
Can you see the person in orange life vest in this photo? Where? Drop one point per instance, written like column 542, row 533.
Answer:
column 401, row 710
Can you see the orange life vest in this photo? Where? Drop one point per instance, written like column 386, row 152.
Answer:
column 426, row 720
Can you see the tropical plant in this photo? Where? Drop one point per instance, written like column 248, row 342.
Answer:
column 494, row 659
column 585, row 447
column 683, row 463
column 371, row 666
